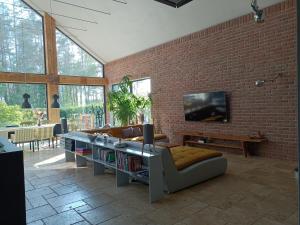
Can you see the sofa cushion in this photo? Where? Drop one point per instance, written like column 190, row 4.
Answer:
column 185, row 156
column 141, row 138
column 137, row 132
column 159, row 136
column 127, row 133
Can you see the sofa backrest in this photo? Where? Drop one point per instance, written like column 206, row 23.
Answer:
column 118, row 131
column 113, row 131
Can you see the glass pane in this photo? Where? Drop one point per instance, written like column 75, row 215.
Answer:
column 11, row 99
column 73, row 60
column 83, row 106
column 21, row 38
column 115, row 87
column 141, row 87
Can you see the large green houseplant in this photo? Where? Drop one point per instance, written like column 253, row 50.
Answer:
column 124, row 104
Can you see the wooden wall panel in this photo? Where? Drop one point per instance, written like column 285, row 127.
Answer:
column 22, row 78
column 51, row 66
column 93, row 81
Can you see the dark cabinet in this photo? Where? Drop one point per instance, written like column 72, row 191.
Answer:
column 12, row 187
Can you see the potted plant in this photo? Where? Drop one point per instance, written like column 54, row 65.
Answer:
column 124, row 104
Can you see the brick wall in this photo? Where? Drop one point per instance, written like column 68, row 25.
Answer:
column 227, row 57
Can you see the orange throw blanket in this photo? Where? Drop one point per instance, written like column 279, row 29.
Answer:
column 185, row 156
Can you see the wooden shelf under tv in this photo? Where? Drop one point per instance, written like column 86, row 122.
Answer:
column 227, row 141
column 213, row 144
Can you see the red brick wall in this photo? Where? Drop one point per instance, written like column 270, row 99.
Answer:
column 227, row 57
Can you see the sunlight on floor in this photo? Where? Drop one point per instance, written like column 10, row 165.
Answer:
column 50, row 161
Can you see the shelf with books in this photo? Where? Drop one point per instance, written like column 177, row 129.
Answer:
column 69, row 151
column 111, row 165
column 129, row 162
column 87, row 157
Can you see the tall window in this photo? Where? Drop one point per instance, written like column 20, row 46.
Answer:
column 21, row 38
column 73, row 60
column 139, row 88
column 11, row 99
column 83, row 106
column 143, row 88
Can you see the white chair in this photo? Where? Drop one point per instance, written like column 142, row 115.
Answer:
column 4, row 134
column 24, row 135
column 44, row 133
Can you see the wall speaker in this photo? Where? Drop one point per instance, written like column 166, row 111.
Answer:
column 64, row 126
column 148, row 135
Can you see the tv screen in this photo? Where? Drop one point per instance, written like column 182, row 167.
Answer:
column 209, row 106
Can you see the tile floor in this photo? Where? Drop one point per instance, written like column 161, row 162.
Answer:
column 255, row 191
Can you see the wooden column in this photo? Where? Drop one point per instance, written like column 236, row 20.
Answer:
column 51, row 66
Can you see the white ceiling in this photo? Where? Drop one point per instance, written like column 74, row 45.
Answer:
column 140, row 24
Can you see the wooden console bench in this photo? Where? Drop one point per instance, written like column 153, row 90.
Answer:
column 227, row 141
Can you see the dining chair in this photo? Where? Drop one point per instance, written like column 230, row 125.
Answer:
column 44, row 133
column 24, row 135
column 57, row 129
column 4, row 134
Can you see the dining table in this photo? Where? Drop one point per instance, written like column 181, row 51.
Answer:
column 7, row 131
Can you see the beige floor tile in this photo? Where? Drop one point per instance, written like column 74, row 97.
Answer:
column 101, row 214
column 265, row 221
column 207, row 216
column 99, row 200
column 70, row 206
column 65, row 218
column 39, row 213
column 68, row 198
column 254, row 191
column 293, row 219
column 39, row 222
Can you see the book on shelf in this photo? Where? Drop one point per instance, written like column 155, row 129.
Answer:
column 107, row 155
column 128, row 162
column 83, row 151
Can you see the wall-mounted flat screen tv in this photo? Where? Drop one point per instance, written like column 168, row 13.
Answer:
column 210, row 106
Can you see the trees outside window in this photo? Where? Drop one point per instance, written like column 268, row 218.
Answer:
column 139, row 90
column 83, row 106
column 73, row 60
column 11, row 99
column 21, row 38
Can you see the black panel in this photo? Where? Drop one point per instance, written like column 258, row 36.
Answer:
column 174, row 3
column 12, row 189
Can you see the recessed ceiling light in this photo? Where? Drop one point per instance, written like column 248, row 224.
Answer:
column 174, row 3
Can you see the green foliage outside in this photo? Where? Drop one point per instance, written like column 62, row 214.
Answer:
column 14, row 114
column 10, row 114
column 71, row 111
column 124, row 104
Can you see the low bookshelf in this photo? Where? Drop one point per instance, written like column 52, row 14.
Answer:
column 240, row 142
column 128, row 162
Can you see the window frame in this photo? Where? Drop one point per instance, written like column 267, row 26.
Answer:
column 134, row 80
column 72, row 40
